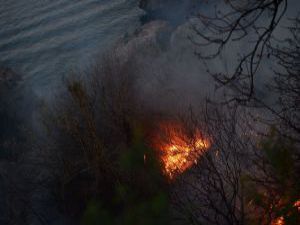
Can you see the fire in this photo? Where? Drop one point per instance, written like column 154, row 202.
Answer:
column 279, row 221
column 179, row 148
column 297, row 205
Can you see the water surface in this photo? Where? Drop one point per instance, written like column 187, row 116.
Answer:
column 45, row 39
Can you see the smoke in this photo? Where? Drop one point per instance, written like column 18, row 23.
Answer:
column 184, row 74
column 176, row 12
column 171, row 77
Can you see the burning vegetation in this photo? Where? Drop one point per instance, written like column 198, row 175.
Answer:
column 295, row 209
column 179, row 148
column 110, row 160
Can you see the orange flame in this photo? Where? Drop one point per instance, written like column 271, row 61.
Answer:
column 278, row 221
column 179, row 149
column 297, row 205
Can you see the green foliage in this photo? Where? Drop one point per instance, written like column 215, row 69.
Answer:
column 154, row 211
column 274, row 192
column 96, row 215
column 279, row 153
column 140, row 198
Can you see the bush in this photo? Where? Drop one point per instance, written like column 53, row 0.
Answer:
column 98, row 150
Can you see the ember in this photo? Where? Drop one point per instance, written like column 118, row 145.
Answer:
column 279, row 221
column 297, row 205
column 179, row 148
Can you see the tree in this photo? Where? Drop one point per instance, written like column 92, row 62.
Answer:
column 212, row 191
column 238, row 21
column 287, row 82
column 96, row 154
column 273, row 189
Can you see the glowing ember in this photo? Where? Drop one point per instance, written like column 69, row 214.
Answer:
column 179, row 149
column 297, row 205
column 279, row 221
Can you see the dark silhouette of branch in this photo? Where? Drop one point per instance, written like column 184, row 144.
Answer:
column 238, row 21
